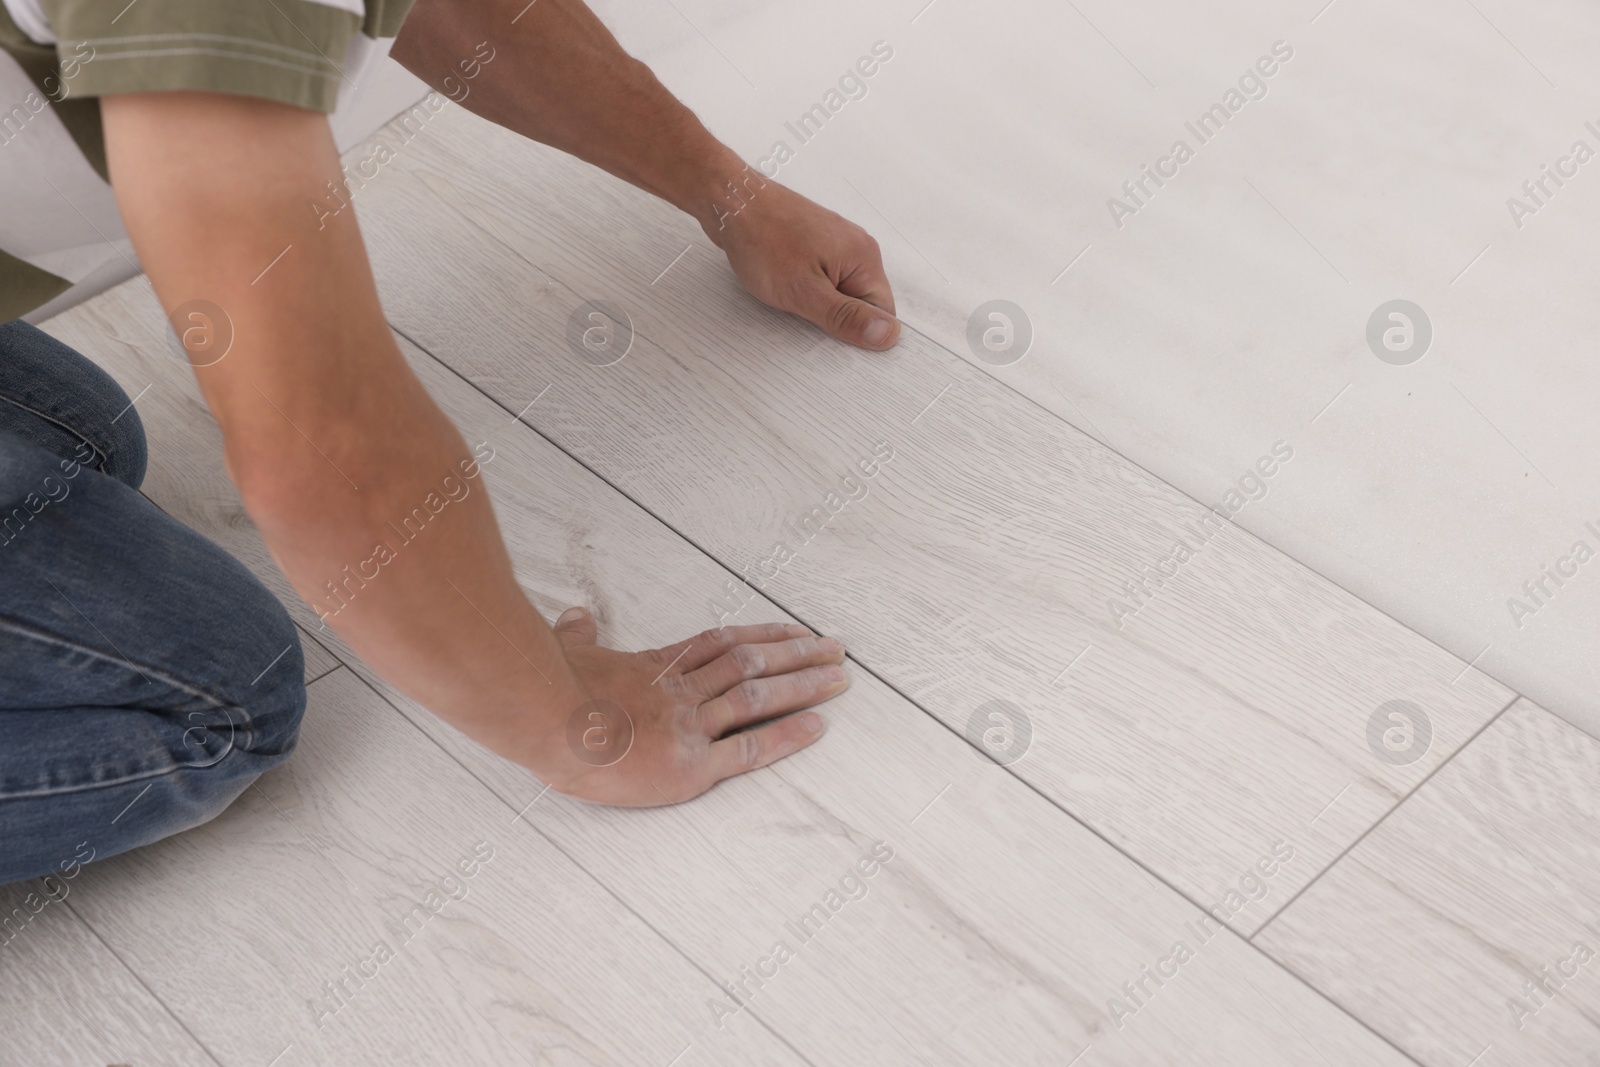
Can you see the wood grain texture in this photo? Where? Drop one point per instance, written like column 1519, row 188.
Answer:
column 1226, row 714
column 1485, row 881
column 341, row 868
column 998, row 932
column 67, row 999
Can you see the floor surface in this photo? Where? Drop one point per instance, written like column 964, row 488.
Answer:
column 1259, row 820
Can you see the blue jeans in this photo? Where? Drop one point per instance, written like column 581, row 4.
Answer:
column 146, row 677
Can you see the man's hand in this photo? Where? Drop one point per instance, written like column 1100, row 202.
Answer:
column 802, row 258
column 665, row 725
column 562, row 79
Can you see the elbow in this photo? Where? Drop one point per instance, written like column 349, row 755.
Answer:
column 282, row 487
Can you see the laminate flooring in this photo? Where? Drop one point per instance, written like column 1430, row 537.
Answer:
column 1367, row 847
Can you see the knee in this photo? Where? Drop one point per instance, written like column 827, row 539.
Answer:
column 123, row 453
column 272, row 673
column 226, row 748
column 250, row 695
column 229, row 736
column 92, row 420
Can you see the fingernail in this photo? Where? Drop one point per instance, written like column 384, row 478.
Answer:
column 812, row 722
column 830, row 645
column 571, row 615
column 833, row 675
column 878, row 330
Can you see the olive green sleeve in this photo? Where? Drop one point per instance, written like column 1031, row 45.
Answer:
column 284, row 50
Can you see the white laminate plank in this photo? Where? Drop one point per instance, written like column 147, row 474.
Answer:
column 1000, row 929
column 67, row 999
column 1230, row 710
column 1468, row 923
column 325, row 917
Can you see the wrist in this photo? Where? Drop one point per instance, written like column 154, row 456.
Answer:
column 715, row 188
column 540, row 739
column 681, row 161
column 523, row 707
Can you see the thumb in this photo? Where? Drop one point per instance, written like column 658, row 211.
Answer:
column 575, row 628
column 850, row 320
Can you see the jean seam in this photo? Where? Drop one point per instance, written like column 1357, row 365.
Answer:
column 103, row 455
column 88, row 786
column 28, row 630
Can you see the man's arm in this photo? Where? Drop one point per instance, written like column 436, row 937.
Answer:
column 560, row 77
column 335, row 445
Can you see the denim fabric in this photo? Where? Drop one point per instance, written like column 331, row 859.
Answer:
column 146, row 677
column 54, row 398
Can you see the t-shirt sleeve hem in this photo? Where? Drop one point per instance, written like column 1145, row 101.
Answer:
column 235, row 75
column 284, row 50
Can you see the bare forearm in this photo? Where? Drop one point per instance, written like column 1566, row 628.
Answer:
column 559, row 77
column 363, row 490
column 411, row 571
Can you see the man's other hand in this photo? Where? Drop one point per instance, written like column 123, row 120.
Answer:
column 799, row 257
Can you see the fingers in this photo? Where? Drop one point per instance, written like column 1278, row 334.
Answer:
column 743, row 662
column 575, row 627
column 777, row 659
column 758, row 699
column 846, row 317
column 749, row 749
column 866, row 278
column 702, row 648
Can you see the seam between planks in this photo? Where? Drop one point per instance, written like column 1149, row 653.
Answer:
column 137, row 977
column 1382, row 819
